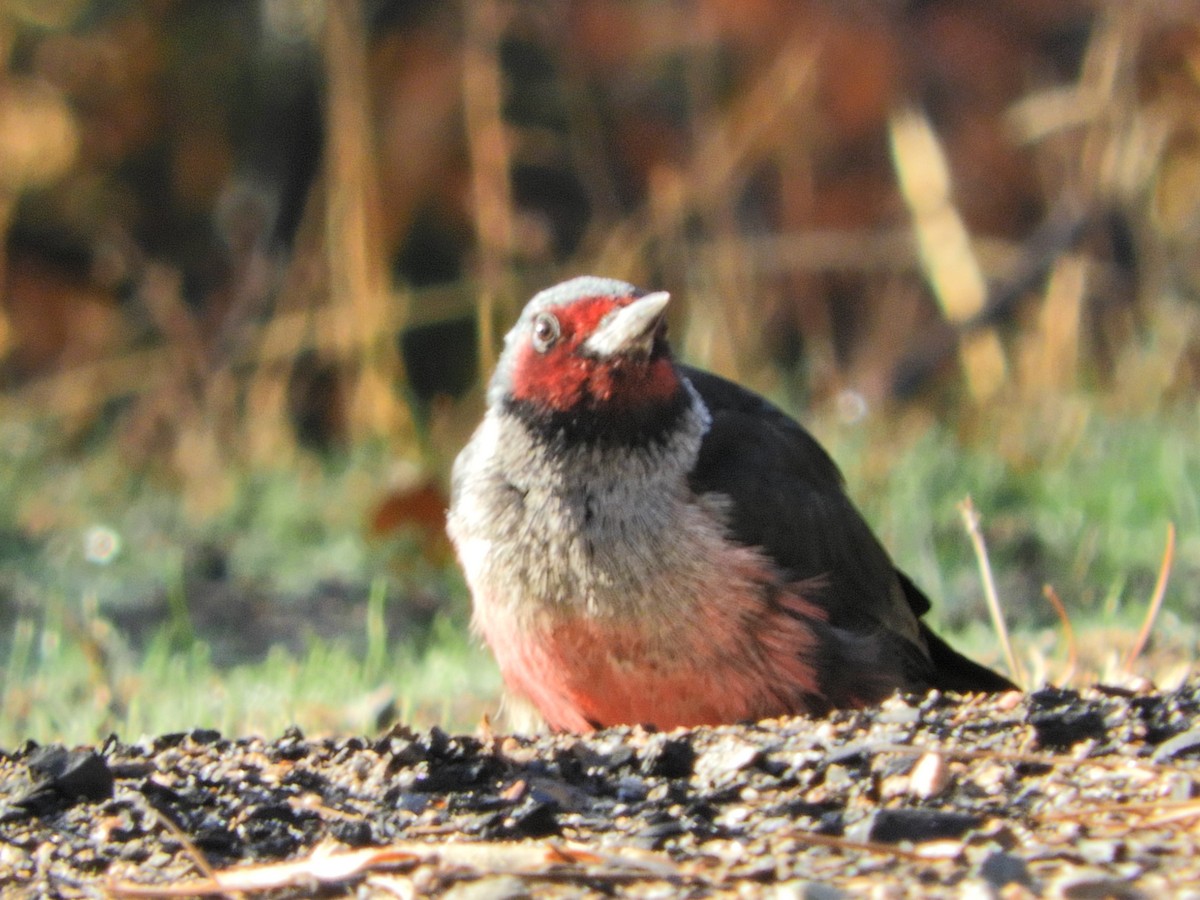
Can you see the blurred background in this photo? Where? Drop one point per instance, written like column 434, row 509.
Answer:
column 258, row 256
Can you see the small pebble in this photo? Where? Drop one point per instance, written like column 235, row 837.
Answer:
column 929, row 776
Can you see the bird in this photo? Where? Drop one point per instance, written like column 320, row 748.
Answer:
column 648, row 543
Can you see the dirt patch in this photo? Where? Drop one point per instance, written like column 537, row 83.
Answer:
column 1060, row 793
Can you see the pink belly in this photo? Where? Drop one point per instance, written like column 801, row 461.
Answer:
column 712, row 669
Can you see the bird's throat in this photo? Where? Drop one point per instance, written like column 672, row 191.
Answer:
column 609, row 415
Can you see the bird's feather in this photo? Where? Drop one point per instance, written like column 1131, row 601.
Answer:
column 785, row 496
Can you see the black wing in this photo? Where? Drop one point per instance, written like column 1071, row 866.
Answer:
column 787, row 497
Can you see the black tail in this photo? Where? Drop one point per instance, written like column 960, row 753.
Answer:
column 954, row 672
column 951, row 670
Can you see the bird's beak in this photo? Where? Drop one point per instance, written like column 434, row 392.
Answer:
column 629, row 330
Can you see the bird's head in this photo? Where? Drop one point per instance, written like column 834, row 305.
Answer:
column 591, row 354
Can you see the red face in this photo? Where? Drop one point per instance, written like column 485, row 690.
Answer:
column 556, row 370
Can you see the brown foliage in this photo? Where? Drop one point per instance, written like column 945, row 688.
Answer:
column 315, row 187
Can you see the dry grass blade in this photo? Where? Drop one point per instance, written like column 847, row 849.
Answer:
column 318, row 867
column 1152, row 812
column 356, row 257
column 761, row 118
column 1068, row 633
column 488, row 142
column 971, row 521
column 1156, row 601
column 1050, row 362
column 207, row 872
column 874, row 848
column 1050, row 760
column 950, row 265
column 461, row 860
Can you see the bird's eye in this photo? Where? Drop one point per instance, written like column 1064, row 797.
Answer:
column 545, row 332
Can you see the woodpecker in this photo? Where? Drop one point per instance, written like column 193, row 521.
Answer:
column 649, row 543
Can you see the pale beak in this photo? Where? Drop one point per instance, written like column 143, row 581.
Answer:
column 629, row 330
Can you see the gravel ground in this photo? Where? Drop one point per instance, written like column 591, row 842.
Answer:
column 1055, row 793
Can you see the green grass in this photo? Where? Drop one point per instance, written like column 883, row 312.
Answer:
column 64, row 683
column 356, row 629
column 1083, row 508
column 1089, row 518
